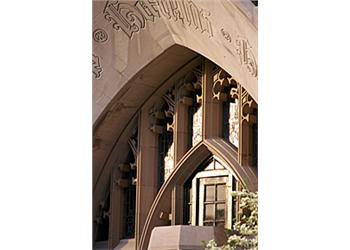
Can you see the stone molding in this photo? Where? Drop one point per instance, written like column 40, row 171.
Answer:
column 247, row 176
column 140, row 33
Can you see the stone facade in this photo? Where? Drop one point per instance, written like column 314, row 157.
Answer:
column 154, row 62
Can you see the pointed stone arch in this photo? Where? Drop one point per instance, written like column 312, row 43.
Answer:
column 132, row 68
column 247, row 176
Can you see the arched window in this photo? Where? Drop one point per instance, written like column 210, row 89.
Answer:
column 208, row 196
column 200, row 106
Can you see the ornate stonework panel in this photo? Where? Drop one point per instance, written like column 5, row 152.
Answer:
column 217, row 30
column 132, row 16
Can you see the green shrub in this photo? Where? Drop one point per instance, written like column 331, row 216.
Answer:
column 245, row 231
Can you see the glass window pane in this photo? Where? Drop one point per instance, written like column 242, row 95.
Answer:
column 209, row 212
column 221, row 192
column 209, row 193
column 220, row 212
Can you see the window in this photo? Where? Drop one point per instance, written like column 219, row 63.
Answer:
column 208, row 197
column 200, row 102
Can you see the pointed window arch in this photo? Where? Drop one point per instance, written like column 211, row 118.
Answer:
column 193, row 145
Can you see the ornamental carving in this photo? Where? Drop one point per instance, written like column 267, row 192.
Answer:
column 131, row 17
column 224, row 86
column 191, row 95
column 197, row 85
column 247, row 58
column 226, row 35
column 162, row 119
column 169, row 98
column 100, row 35
column 248, row 106
column 96, row 67
column 162, row 124
column 124, row 16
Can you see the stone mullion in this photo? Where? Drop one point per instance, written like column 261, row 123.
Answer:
column 246, row 119
column 181, row 142
column 181, row 127
column 212, row 108
column 116, row 209
column 240, row 130
column 147, row 170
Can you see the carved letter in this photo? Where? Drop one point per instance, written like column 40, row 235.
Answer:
column 243, row 49
column 148, row 9
column 96, row 67
column 124, row 16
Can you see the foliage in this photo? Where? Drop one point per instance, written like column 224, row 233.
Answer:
column 245, row 231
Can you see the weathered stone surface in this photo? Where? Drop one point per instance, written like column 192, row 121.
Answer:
column 183, row 237
column 133, row 60
column 223, row 31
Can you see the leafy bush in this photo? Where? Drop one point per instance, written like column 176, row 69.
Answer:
column 245, row 231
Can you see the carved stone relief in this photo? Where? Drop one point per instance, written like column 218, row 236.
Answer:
column 100, row 36
column 244, row 50
column 247, row 108
column 127, row 169
column 162, row 123
column 169, row 113
column 224, row 86
column 131, row 16
column 226, row 35
column 96, row 66
column 191, row 96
